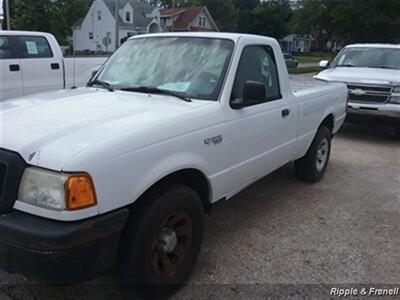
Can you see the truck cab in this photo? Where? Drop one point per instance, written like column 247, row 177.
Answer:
column 32, row 62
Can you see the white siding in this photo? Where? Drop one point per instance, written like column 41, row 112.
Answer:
column 106, row 27
column 127, row 9
column 99, row 28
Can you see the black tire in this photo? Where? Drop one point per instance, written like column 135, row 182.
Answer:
column 136, row 264
column 307, row 168
column 397, row 132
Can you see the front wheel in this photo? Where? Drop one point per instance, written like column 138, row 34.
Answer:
column 163, row 239
column 312, row 166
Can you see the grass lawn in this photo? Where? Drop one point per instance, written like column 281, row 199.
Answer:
column 315, row 57
column 304, row 70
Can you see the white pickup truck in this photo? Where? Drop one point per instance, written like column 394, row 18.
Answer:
column 123, row 170
column 32, row 62
column 372, row 75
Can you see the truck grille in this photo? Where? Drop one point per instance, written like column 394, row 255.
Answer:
column 369, row 94
column 12, row 167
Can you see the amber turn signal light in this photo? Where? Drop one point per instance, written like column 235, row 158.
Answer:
column 79, row 192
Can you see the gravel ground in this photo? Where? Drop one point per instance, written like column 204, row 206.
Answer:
column 282, row 238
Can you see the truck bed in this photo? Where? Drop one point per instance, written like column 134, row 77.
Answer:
column 305, row 85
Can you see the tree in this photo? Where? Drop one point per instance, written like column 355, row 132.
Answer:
column 224, row 13
column 178, row 3
column 270, row 18
column 54, row 16
column 246, row 4
column 351, row 20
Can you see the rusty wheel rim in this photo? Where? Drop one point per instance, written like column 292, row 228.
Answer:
column 171, row 244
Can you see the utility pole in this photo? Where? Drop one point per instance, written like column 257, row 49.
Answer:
column 116, row 24
column 7, row 4
column 173, row 15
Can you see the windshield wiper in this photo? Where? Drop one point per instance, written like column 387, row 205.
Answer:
column 154, row 90
column 104, row 84
column 346, row 65
column 381, row 67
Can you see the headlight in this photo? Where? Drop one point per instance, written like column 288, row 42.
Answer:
column 56, row 191
column 396, row 89
column 395, row 99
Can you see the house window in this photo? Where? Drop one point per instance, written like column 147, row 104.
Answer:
column 202, row 21
column 128, row 17
column 99, row 15
column 90, row 35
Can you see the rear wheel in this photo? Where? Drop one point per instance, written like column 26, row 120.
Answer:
column 163, row 239
column 312, row 166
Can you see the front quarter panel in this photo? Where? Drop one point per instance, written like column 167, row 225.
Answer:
column 123, row 169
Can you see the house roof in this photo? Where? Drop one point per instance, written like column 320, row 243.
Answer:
column 169, row 11
column 78, row 23
column 186, row 16
column 140, row 10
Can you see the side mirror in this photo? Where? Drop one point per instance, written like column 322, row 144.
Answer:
column 253, row 93
column 237, row 103
column 323, row 64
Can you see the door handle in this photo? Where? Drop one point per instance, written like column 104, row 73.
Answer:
column 55, row 66
column 285, row 113
column 14, row 68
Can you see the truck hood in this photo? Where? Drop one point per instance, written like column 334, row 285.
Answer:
column 49, row 129
column 361, row 75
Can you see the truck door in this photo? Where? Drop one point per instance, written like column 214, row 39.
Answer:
column 10, row 70
column 41, row 69
column 262, row 134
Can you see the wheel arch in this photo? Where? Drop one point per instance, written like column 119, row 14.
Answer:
column 191, row 177
column 329, row 122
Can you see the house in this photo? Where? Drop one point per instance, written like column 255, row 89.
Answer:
column 96, row 32
column 193, row 18
column 294, row 43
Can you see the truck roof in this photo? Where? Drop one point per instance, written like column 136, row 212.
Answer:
column 218, row 35
column 393, row 46
column 17, row 32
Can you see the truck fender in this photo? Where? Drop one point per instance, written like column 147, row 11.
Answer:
column 169, row 165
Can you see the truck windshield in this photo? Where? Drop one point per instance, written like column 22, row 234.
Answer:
column 192, row 67
column 384, row 58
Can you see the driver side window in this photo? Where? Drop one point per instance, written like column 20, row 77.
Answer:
column 257, row 64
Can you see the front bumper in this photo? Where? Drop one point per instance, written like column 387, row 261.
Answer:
column 60, row 252
column 388, row 114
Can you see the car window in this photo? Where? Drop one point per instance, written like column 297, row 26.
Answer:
column 257, row 64
column 34, row 47
column 5, row 49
